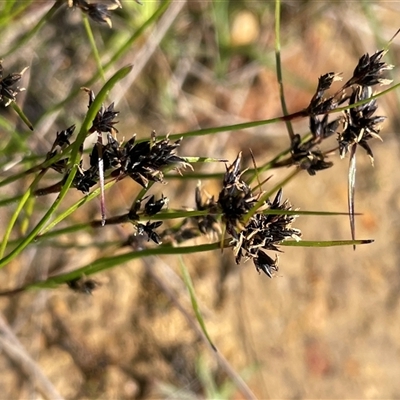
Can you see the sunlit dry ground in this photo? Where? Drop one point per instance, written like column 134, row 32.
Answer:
column 327, row 326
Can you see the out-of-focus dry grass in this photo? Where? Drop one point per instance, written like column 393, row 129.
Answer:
column 327, row 327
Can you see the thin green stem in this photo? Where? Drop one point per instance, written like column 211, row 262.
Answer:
column 16, row 213
column 105, row 263
column 193, row 299
column 93, row 45
column 236, row 127
column 290, row 117
column 95, row 193
column 327, row 243
column 22, row 115
column 279, row 66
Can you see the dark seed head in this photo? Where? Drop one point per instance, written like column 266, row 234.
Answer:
column 83, row 285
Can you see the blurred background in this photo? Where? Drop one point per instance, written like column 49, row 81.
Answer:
column 327, row 326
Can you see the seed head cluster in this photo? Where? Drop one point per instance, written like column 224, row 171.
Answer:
column 98, row 12
column 370, row 71
column 144, row 161
column 104, row 120
column 141, row 161
column 262, row 232
column 8, row 91
column 360, row 124
column 356, row 125
column 235, row 199
column 144, row 233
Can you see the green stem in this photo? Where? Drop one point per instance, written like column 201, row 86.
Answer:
column 279, row 66
column 93, row 45
column 21, row 114
column 105, row 263
column 74, row 207
column 16, row 213
column 327, row 243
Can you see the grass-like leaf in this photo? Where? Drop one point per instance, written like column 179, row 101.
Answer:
column 93, row 45
column 326, row 243
column 17, row 212
column 106, row 263
column 193, row 299
column 22, row 115
column 279, row 66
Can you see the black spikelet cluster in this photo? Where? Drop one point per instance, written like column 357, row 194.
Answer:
column 142, row 231
column 144, row 161
column 370, row 71
column 355, row 125
column 360, row 124
column 235, row 199
column 141, row 161
column 98, row 12
column 104, row 119
column 262, row 232
column 8, row 91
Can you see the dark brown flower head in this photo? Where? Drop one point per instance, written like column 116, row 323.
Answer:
column 263, row 262
column 322, row 129
column 144, row 161
column 98, row 12
column 8, row 92
column 235, row 199
column 83, row 285
column 62, row 138
column 265, row 232
column 360, row 124
column 369, row 71
column 84, row 180
column 104, row 120
column 60, row 143
column 148, row 229
column 153, row 206
column 307, row 159
column 319, row 104
column 110, row 153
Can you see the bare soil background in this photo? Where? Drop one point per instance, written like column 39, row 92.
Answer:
column 328, row 326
